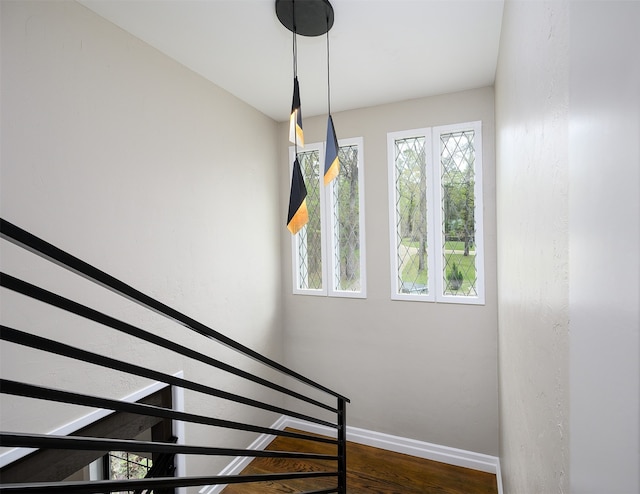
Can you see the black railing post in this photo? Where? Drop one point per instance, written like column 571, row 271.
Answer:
column 342, row 445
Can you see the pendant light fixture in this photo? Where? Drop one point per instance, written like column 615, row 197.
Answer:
column 331, row 161
column 306, row 18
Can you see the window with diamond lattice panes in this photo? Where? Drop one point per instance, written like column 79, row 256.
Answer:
column 346, row 222
column 328, row 253
column 411, row 215
column 309, row 240
column 435, row 214
column 457, row 157
column 122, row 465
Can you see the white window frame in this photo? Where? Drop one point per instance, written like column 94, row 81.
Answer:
column 328, row 226
column 435, row 254
column 396, row 292
column 296, row 239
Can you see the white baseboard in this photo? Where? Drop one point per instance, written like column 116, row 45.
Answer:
column 420, row 449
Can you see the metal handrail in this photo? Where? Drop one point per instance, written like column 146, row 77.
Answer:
column 79, row 442
column 15, row 388
column 159, row 483
column 44, row 249
column 60, row 302
column 52, row 346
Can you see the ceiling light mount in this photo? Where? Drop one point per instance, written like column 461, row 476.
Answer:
column 312, row 17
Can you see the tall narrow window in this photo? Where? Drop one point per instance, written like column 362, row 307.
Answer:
column 410, row 227
column 460, row 200
column 328, row 252
column 435, row 190
column 308, row 241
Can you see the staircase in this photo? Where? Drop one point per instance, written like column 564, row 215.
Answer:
column 119, row 359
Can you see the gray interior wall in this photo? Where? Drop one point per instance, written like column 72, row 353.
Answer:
column 604, row 132
column 102, row 136
column 126, row 159
column 533, row 258
column 425, row 371
column 567, row 120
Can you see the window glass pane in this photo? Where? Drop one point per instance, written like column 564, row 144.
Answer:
column 435, row 184
column 346, row 222
column 329, row 252
column 309, row 237
column 457, row 158
column 411, row 215
column 123, row 465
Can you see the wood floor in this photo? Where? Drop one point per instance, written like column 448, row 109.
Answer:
column 370, row 471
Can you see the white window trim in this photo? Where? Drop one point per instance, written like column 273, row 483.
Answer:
column 328, row 227
column 478, row 215
column 396, row 293
column 295, row 239
column 328, row 213
column 434, row 215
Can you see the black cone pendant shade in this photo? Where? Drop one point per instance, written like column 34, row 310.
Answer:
column 296, row 135
column 298, row 215
column 331, row 161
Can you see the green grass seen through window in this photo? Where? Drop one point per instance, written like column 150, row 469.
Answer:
column 466, row 264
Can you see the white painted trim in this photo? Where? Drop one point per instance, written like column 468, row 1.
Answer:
column 499, row 476
column 295, row 239
column 434, row 220
column 77, row 424
column 177, row 401
column 436, row 207
column 413, row 447
column 329, row 247
column 397, row 444
column 327, row 226
column 396, row 289
column 421, row 449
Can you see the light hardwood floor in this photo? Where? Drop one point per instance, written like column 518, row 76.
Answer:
column 370, row 471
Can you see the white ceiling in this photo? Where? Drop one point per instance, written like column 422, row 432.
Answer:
column 382, row 51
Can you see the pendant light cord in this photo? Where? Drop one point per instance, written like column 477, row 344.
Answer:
column 295, row 68
column 328, row 74
column 295, row 44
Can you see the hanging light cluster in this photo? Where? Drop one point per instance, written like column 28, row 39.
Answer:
column 307, row 18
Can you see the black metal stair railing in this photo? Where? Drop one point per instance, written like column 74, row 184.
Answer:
column 19, row 336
